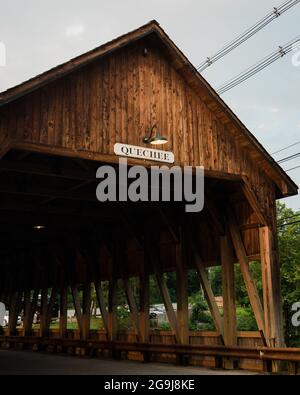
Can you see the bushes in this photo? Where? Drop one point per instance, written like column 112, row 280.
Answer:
column 200, row 318
column 245, row 320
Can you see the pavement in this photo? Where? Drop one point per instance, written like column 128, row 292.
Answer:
column 15, row 362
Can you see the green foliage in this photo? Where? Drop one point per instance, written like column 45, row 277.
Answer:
column 246, row 320
column 289, row 251
column 240, row 287
column 165, row 326
column 200, row 317
column 215, row 277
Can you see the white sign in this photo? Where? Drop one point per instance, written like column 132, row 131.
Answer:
column 133, row 151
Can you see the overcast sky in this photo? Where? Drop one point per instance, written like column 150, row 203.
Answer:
column 39, row 35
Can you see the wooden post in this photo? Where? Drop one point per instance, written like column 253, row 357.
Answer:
column 43, row 313
column 112, row 305
column 182, row 293
column 144, row 302
column 86, row 311
column 27, row 310
column 271, row 288
column 229, row 307
column 112, row 294
column 63, row 312
column 230, row 329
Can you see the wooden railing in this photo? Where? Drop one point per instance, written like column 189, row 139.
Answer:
column 182, row 352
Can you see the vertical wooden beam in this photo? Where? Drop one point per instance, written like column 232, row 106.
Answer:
column 27, row 325
column 229, row 306
column 63, row 312
column 44, row 310
column 182, row 292
column 86, row 311
column 271, row 288
column 244, row 264
column 102, row 306
column 144, row 302
column 112, row 308
column 112, row 291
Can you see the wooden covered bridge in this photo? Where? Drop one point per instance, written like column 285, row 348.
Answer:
column 56, row 238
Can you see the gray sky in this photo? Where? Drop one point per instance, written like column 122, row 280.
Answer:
column 39, row 35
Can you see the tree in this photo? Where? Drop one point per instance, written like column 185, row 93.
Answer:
column 289, row 251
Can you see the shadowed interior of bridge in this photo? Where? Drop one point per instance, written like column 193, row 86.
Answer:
column 29, row 363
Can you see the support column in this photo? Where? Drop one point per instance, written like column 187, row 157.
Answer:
column 144, row 303
column 43, row 313
column 27, row 310
column 112, row 304
column 230, row 329
column 86, row 311
column 271, row 288
column 182, row 293
column 63, row 313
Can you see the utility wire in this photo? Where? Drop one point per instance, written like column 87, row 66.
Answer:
column 288, row 224
column 285, row 148
column 288, row 158
column 293, row 168
column 289, row 217
column 259, row 66
column 247, row 34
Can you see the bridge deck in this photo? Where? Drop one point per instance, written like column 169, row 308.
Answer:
column 28, row 362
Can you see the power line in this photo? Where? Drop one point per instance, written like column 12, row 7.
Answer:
column 288, row 224
column 259, row 66
column 293, row 168
column 286, row 218
column 285, row 148
column 247, row 34
column 288, row 158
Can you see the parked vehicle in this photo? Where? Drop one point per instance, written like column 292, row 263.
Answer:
column 6, row 319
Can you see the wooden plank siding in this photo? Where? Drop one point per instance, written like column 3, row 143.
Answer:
column 116, row 99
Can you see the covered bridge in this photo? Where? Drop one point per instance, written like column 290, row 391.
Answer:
column 56, row 238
